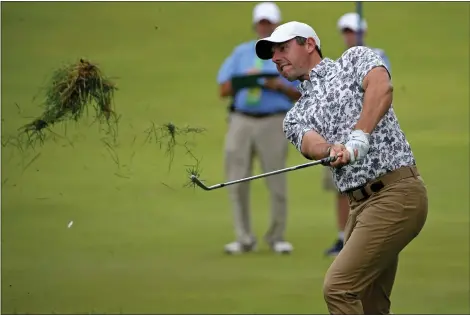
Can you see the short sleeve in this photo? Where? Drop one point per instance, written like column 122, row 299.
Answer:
column 363, row 60
column 227, row 69
column 295, row 127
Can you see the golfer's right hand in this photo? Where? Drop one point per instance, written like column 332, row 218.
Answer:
column 342, row 155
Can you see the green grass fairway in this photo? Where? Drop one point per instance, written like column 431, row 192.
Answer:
column 138, row 246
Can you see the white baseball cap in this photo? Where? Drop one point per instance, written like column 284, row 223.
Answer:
column 267, row 11
column 351, row 21
column 284, row 33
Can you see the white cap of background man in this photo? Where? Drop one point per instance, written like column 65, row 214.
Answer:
column 266, row 11
column 351, row 21
column 284, row 33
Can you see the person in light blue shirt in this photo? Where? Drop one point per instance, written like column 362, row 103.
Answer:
column 349, row 26
column 259, row 99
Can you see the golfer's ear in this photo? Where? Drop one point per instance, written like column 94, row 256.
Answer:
column 310, row 45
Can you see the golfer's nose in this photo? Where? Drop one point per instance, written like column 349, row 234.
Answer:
column 275, row 55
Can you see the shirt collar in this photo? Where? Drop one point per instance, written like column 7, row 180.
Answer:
column 326, row 69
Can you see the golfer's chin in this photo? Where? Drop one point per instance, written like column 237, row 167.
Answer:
column 289, row 75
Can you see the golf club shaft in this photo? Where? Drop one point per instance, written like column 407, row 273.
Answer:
column 284, row 170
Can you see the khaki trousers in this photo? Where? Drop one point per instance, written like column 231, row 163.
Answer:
column 361, row 278
column 327, row 180
column 264, row 137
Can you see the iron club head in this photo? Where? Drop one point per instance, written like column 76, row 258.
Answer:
column 196, row 181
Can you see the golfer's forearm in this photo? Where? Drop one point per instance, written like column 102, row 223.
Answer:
column 316, row 151
column 377, row 101
column 314, row 147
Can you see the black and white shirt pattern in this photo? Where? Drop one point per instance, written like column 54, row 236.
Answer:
column 331, row 104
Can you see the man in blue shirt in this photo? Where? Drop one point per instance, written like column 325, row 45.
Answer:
column 349, row 26
column 260, row 99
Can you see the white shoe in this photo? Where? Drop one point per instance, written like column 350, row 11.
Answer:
column 238, row 248
column 283, row 247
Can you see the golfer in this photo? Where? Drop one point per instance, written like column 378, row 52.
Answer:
column 260, row 100
column 349, row 26
column 346, row 111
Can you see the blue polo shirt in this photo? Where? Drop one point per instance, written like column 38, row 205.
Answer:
column 243, row 61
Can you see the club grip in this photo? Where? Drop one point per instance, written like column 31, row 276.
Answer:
column 329, row 159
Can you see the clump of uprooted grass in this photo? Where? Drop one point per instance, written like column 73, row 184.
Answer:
column 72, row 89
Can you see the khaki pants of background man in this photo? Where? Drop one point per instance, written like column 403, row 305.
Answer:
column 360, row 279
column 328, row 182
column 263, row 137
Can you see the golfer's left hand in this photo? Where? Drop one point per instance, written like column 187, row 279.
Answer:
column 342, row 154
column 358, row 145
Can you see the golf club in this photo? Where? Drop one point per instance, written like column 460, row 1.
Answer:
column 324, row 161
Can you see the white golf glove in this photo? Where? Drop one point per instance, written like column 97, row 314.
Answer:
column 358, row 140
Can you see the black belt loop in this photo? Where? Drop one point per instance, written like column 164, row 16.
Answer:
column 377, row 186
column 364, row 193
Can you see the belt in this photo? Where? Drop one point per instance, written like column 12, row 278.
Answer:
column 376, row 185
column 260, row 115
